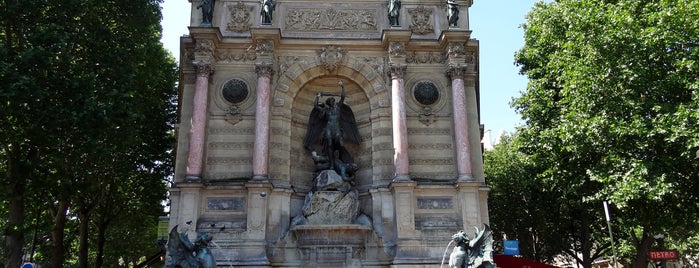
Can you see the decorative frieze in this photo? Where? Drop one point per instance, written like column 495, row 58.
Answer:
column 230, row 55
column 314, row 19
column 430, row 57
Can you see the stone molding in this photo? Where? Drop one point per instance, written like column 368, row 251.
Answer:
column 239, row 18
column 422, row 20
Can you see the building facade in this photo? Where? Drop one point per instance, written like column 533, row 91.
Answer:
column 250, row 74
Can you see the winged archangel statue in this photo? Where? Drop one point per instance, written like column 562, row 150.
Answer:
column 329, row 124
column 473, row 253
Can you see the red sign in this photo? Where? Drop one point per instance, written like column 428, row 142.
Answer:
column 663, row 254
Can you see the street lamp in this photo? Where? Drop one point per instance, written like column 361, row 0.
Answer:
column 609, row 226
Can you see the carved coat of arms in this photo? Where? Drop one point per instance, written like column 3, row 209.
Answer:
column 331, row 57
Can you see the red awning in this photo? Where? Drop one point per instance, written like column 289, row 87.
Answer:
column 503, row 261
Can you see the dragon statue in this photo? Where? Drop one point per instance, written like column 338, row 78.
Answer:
column 473, row 253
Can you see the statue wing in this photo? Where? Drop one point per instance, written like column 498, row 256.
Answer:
column 180, row 251
column 349, row 124
column 316, row 122
column 481, row 246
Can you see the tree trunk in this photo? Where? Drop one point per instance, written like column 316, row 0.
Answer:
column 640, row 260
column 14, row 235
column 84, row 218
column 101, row 239
column 586, row 239
column 14, row 231
column 58, row 252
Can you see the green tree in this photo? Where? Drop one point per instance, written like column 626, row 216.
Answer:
column 612, row 108
column 87, row 112
column 543, row 214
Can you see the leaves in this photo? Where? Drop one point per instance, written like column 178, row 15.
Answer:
column 610, row 108
column 89, row 90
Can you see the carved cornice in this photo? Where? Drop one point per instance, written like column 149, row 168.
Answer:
column 425, row 57
column 231, row 55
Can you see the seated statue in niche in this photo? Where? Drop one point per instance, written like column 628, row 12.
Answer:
column 329, row 124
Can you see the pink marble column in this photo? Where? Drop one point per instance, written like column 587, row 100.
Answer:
column 197, row 131
column 461, row 136
column 400, row 129
column 260, row 153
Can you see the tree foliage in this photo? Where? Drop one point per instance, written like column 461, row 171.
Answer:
column 87, row 110
column 612, row 109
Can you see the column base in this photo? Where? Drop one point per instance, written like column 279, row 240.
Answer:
column 465, row 177
column 192, row 178
column 259, row 178
column 402, row 177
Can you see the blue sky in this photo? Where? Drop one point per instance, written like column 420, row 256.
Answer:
column 495, row 23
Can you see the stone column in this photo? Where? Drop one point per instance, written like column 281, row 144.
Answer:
column 260, row 152
column 461, row 131
column 197, row 132
column 398, row 66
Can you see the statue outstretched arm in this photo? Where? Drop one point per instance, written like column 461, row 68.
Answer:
column 342, row 95
column 316, row 103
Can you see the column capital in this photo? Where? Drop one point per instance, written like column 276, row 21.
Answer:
column 456, row 71
column 203, row 67
column 397, row 70
column 264, row 70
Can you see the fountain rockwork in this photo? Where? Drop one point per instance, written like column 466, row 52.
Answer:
column 326, row 137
